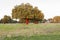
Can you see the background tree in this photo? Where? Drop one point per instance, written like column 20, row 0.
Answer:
column 56, row 19
column 6, row 19
column 44, row 20
column 50, row 20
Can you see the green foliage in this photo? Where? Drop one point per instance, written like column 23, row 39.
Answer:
column 6, row 19
column 56, row 19
column 27, row 11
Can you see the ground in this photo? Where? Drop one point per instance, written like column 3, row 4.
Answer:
column 31, row 31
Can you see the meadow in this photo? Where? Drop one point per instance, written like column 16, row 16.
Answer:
column 41, row 31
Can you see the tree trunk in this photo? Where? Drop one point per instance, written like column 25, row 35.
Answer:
column 27, row 21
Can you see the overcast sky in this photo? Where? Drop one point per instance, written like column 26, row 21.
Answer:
column 50, row 8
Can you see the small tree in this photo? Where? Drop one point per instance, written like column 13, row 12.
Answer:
column 56, row 19
column 44, row 20
column 50, row 20
column 6, row 19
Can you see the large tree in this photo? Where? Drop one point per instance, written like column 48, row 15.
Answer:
column 27, row 11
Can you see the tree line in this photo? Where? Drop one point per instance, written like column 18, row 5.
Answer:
column 26, row 13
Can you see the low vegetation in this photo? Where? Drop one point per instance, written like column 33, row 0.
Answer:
column 50, row 31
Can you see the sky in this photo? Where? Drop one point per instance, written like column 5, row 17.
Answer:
column 50, row 8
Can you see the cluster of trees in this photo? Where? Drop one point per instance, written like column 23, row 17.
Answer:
column 7, row 19
column 55, row 19
column 26, row 13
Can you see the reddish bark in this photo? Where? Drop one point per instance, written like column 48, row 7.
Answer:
column 27, row 21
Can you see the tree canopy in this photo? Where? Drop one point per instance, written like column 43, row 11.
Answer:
column 56, row 19
column 26, row 11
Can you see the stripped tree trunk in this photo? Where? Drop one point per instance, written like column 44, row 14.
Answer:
column 27, row 21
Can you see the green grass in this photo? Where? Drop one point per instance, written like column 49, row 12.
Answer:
column 42, row 25
column 41, row 31
column 36, row 37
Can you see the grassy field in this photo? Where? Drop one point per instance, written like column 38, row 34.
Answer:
column 42, row 31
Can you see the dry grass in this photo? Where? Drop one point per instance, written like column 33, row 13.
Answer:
column 30, row 29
